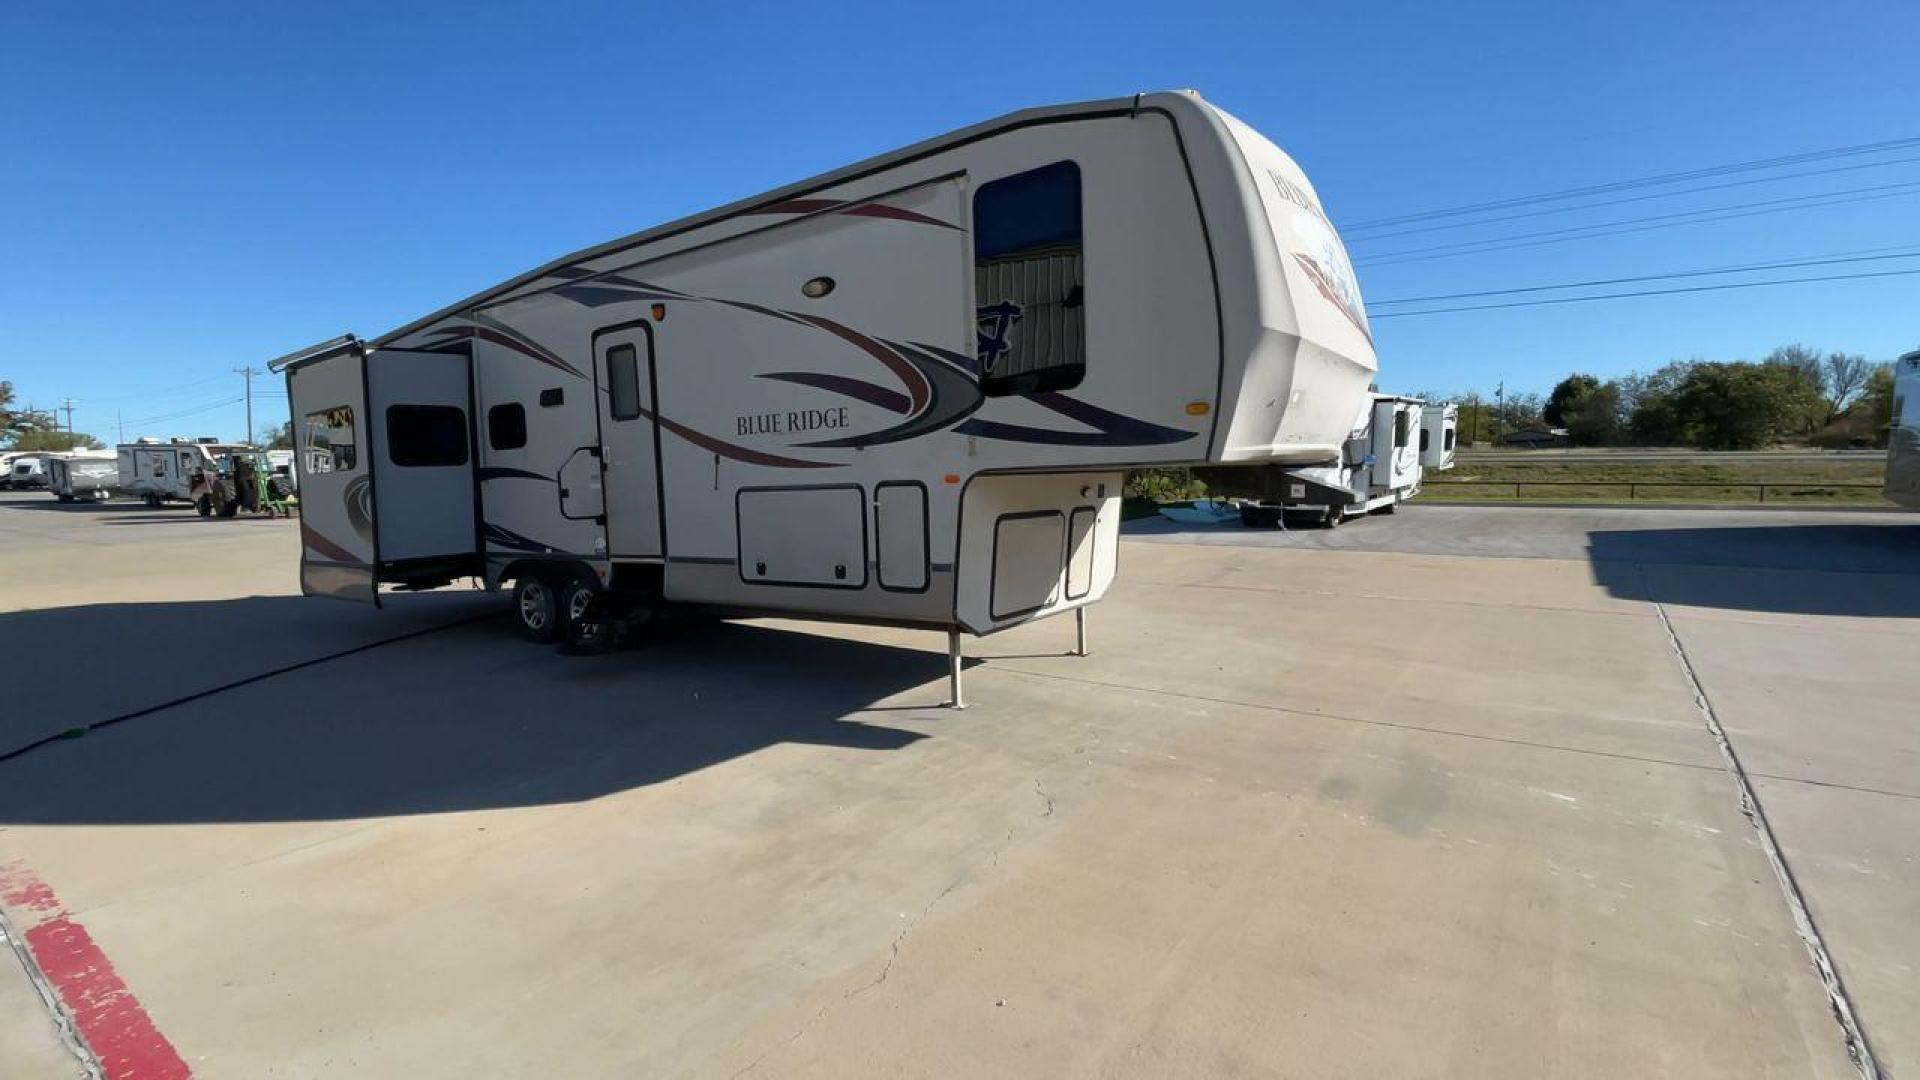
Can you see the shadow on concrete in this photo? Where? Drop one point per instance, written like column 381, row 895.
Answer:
column 1851, row 569
column 466, row 718
column 110, row 506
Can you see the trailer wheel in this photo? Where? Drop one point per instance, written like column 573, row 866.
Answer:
column 575, row 599
column 1390, row 507
column 203, row 506
column 1334, row 517
column 538, row 610
column 230, row 509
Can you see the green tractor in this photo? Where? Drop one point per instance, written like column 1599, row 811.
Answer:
column 246, row 480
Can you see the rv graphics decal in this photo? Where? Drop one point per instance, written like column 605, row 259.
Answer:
column 994, row 331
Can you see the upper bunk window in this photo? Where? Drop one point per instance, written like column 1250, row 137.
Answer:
column 1029, row 282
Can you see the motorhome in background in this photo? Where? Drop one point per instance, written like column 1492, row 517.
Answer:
column 86, row 476
column 904, row 392
column 1439, row 434
column 1378, row 468
column 1903, row 439
column 157, row 472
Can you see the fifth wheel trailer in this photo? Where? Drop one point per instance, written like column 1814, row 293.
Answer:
column 1903, row 441
column 1379, row 466
column 1439, row 432
column 904, row 392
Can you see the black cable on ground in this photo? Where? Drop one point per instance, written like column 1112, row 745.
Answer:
column 84, row 729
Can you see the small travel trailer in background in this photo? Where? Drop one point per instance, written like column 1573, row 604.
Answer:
column 82, row 477
column 905, row 392
column 1903, row 438
column 1439, row 432
column 28, row 471
column 1378, row 468
column 158, row 472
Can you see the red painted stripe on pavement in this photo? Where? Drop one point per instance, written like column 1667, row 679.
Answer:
column 108, row 1017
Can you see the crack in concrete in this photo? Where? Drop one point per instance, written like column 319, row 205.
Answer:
column 69, row 1036
column 893, row 948
column 1858, row 1049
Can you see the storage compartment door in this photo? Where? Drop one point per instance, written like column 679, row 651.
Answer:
column 814, row 537
column 900, row 536
column 328, row 400
column 423, row 467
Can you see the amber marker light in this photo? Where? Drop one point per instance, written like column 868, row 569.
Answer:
column 953, row 478
column 659, row 312
column 1198, row 408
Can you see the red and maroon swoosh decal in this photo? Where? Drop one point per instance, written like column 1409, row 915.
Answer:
column 500, row 336
column 915, row 382
column 311, row 537
column 1319, row 279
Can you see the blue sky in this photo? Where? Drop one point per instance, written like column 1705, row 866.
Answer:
column 191, row 188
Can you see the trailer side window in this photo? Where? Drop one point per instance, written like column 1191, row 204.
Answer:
column 623, row 382
column 507, row 426
column 426, row 436
column 1399, row 429
column 1426, row 439
column 329, row 440
column 1446, row 443
column 1028, row 281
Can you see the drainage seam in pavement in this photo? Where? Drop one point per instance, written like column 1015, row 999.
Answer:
column 85, row 729
column 70, row 1038
column 1838, row 1000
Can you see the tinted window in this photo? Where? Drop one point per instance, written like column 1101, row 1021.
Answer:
column 1399, row 429
column 551, row 397
column 426, row 436
column 329, row 440
column 507, row 426
column 1424, row 440
column 623, row 382
column 1029, row 282
column 1447, row 443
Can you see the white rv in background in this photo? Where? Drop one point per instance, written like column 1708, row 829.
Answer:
column 1903, row 440
column 1439, row 432
column 158, row 472
column 905, row 392
column 29, row 471
column 1378, row 468
column 83, row 476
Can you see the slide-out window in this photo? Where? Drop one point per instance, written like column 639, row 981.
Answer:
column 507, row 426
column 1400, row 423
column 1029, row 284
column 426, row 436
column 329, row 440
column 623, row 382
column 1447, row 442
column 1425, row 440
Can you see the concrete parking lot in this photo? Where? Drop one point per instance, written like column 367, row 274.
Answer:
column 1428, row 795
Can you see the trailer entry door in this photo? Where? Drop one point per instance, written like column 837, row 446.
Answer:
column 423, row 471
column 629, row 440
column 328, row 397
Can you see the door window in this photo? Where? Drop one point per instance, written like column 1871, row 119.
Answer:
column 623, row 382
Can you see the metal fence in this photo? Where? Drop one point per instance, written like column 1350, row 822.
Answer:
column 1634, row 487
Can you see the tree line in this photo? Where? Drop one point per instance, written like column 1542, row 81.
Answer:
column 37, row 429
column 1795, row 395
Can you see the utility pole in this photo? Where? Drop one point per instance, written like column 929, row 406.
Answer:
column 119, row 425
column 1500, row 397
column 248, row 373
column 66, row 406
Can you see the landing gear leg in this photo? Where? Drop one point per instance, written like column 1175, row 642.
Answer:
column 959, row 700
column 1079, row 631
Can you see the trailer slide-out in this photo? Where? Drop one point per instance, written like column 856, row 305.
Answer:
column 905, row 392
column 1380, row 466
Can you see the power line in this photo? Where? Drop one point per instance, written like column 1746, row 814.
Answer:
column 1501, row 244
column 1644, row 181
column 1629, row 199
column 1646, row 292
column 191, row 411
column 1708, row 272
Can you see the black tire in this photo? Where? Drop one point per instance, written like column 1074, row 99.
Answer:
column 536, row 609
column 1334, row 517
column 203, row 506
column 1390, row 508
column 572, row 602
column 230, row 509
column 64, row 498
